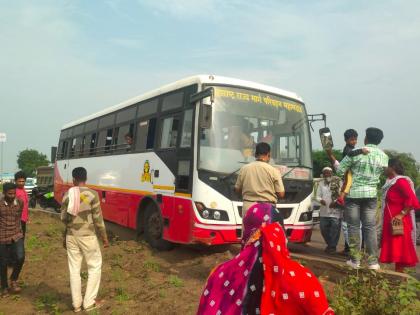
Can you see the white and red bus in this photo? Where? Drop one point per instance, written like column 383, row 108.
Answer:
column 165, row 163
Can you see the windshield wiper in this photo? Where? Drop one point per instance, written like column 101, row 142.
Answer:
column 295, row 167
column 234, row 172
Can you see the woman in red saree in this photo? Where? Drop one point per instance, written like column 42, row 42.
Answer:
column 262, row 278
column 399, row 200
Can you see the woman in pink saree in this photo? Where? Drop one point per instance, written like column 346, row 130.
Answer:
column 262, row 278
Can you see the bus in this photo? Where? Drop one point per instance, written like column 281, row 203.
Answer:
column 165, row 163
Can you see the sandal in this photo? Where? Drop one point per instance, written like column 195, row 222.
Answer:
column 4, row 292
column 94, row 306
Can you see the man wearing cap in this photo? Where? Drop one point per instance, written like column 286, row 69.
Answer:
column 330, row 216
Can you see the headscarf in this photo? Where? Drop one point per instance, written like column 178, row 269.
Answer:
column 262, row 279
column 256, row 215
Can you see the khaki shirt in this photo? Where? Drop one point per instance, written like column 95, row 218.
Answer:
column 259, row 181
column 89, row 220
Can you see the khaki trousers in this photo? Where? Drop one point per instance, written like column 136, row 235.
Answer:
column 87, row 247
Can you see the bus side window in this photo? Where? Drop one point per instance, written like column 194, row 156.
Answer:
column 77, row 151
column 115, row 138
column 151, row 134
column 172, row 101
column 72, row 147
column 146, row 131
column 108, row 140
column 82, row 146
column 92, row 144
column 187, row 129
column 124, row 138
column 183, row 176
column 170, row 129
column 63, row 150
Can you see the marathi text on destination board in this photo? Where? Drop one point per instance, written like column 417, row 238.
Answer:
column 258, row 99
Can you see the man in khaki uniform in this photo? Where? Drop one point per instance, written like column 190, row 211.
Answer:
column 82, row 216
column 258, row 181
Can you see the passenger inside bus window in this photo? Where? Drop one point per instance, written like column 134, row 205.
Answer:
column 241, row 138
column 247, row 140
column 128, row 140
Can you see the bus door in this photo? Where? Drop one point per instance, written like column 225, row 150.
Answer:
column 175, row 149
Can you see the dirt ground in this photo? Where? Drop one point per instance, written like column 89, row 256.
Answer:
column 135, row 278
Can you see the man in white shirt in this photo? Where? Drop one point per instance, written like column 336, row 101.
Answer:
column 330, row 215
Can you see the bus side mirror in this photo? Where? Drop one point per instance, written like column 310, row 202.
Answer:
column 326, row 138
column 206, row 98
column 205, row 117
column 53, row 154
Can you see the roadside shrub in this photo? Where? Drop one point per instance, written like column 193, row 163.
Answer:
column 372, row 294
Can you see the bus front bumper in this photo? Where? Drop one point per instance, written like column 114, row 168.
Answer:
column 216, row 234
column 231, row 234
column 299, row 233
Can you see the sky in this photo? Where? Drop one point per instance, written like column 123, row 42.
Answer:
column 357, row 61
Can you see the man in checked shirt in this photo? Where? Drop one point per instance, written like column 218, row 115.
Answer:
column 361, row 202
column 11, row 238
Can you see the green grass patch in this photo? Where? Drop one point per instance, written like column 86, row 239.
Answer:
column 48, row 303
column 151, row 265
column 117, row 274
column 121, row 295
column 35, row 242
column 175, row 281
column 162, row 293
column 53, row 230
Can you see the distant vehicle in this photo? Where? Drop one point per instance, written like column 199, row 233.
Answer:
column 44, row 198
column 45, row 177
column 30, row 184
column 43, row 194
column 418, row 219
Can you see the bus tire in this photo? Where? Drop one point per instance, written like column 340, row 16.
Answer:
column 153, row 229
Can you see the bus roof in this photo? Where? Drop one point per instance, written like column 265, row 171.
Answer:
column 197, row 79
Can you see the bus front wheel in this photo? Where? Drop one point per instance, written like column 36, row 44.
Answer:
column 153, row 229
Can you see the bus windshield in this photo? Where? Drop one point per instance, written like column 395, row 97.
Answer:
column 244, row 117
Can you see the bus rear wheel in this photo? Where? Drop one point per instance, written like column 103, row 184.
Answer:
column 153, row 229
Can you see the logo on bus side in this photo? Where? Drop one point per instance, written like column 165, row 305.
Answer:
column 147, row 174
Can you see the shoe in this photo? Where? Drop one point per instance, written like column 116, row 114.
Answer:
column 77, row 309
column 345, row 252
column 374, row 267
column 14, row 287
column 94, row 306
column 354, row 265
column 4, row 293
column 330, row 250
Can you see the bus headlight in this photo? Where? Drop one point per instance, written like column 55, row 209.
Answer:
column 306, row 216
column 211, row 214
column 216, row 215
column 205, row 214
